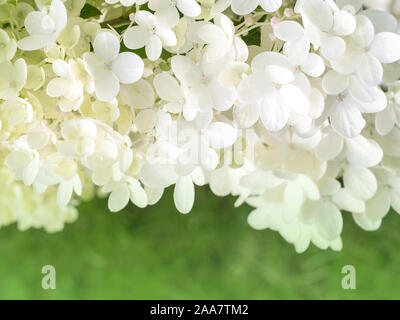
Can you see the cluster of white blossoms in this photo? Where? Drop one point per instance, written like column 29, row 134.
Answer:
column 291, row 106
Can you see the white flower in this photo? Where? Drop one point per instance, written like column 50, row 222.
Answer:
column 108, row 67
column 149, row 34
column 167, row 11
column 12, row 78
column 202, row 91
column 345, row 112
column 65, row 87
column 44, row 28
column 79, row 138
column 24, row 161
column 274, row 90
column 218, row 36
column 297, row 47
column 123, row 190
column 64, row 173
column 16, row 111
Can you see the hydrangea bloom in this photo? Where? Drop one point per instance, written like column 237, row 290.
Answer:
column 292, row 106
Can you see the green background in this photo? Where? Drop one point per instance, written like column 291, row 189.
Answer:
column 211, row 253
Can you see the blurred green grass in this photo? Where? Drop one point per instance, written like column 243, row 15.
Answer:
column 212, row 253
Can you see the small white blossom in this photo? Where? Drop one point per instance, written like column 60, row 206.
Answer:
column 108, row 67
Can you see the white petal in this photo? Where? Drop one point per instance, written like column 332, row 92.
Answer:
column 211, row 33
column 56, row 87
column 334, row 83
column 185, row 69
column 297, row 50
column 61, row 68
column 347, row 120
column 243, row 7
column 59, row 14
column 364, row 32
column 184, row 194
column 365, row 223
column 136, row 37
column 258, row 219
column 223, row 97
column 158, row 175
column 288, row 30
column 153, row 194
column 362, row 92
column 344, row 23
column 386, row 47
column 145, row 120
column 293, row 98
column 330, row 147
column 363, row 151
column 32, row 43
column 30, row 171
column 246, row 116
column 189, row 8
column 319, row 13
column 64, row 193
column 271, row 5
column 346, row 201
column 138, row 195
column 253, row 88
column 221, row 135
column 106, row 46
column 378, row 206
column 329, row 221
column 370, row 70
column 101, row 176
column 138, row 95
column 145, row 19
column 128, row 67
column 349, row 61
column 333, row 48
column 106, row 86
column 156, row 5
column 377, row 105
column 167, row 87
column 167, row 37
column 220, row 182
column 33, row 23
column 385, row 121
column 293, row 199
column 118, row 198
column 153, row 48
column 309, row 187
column 313, row 65
column 167, row 17
column 261, row 180
column 360, row 181
column 273, row 116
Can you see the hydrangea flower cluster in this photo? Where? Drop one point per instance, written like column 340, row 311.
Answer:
column 291, row 106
